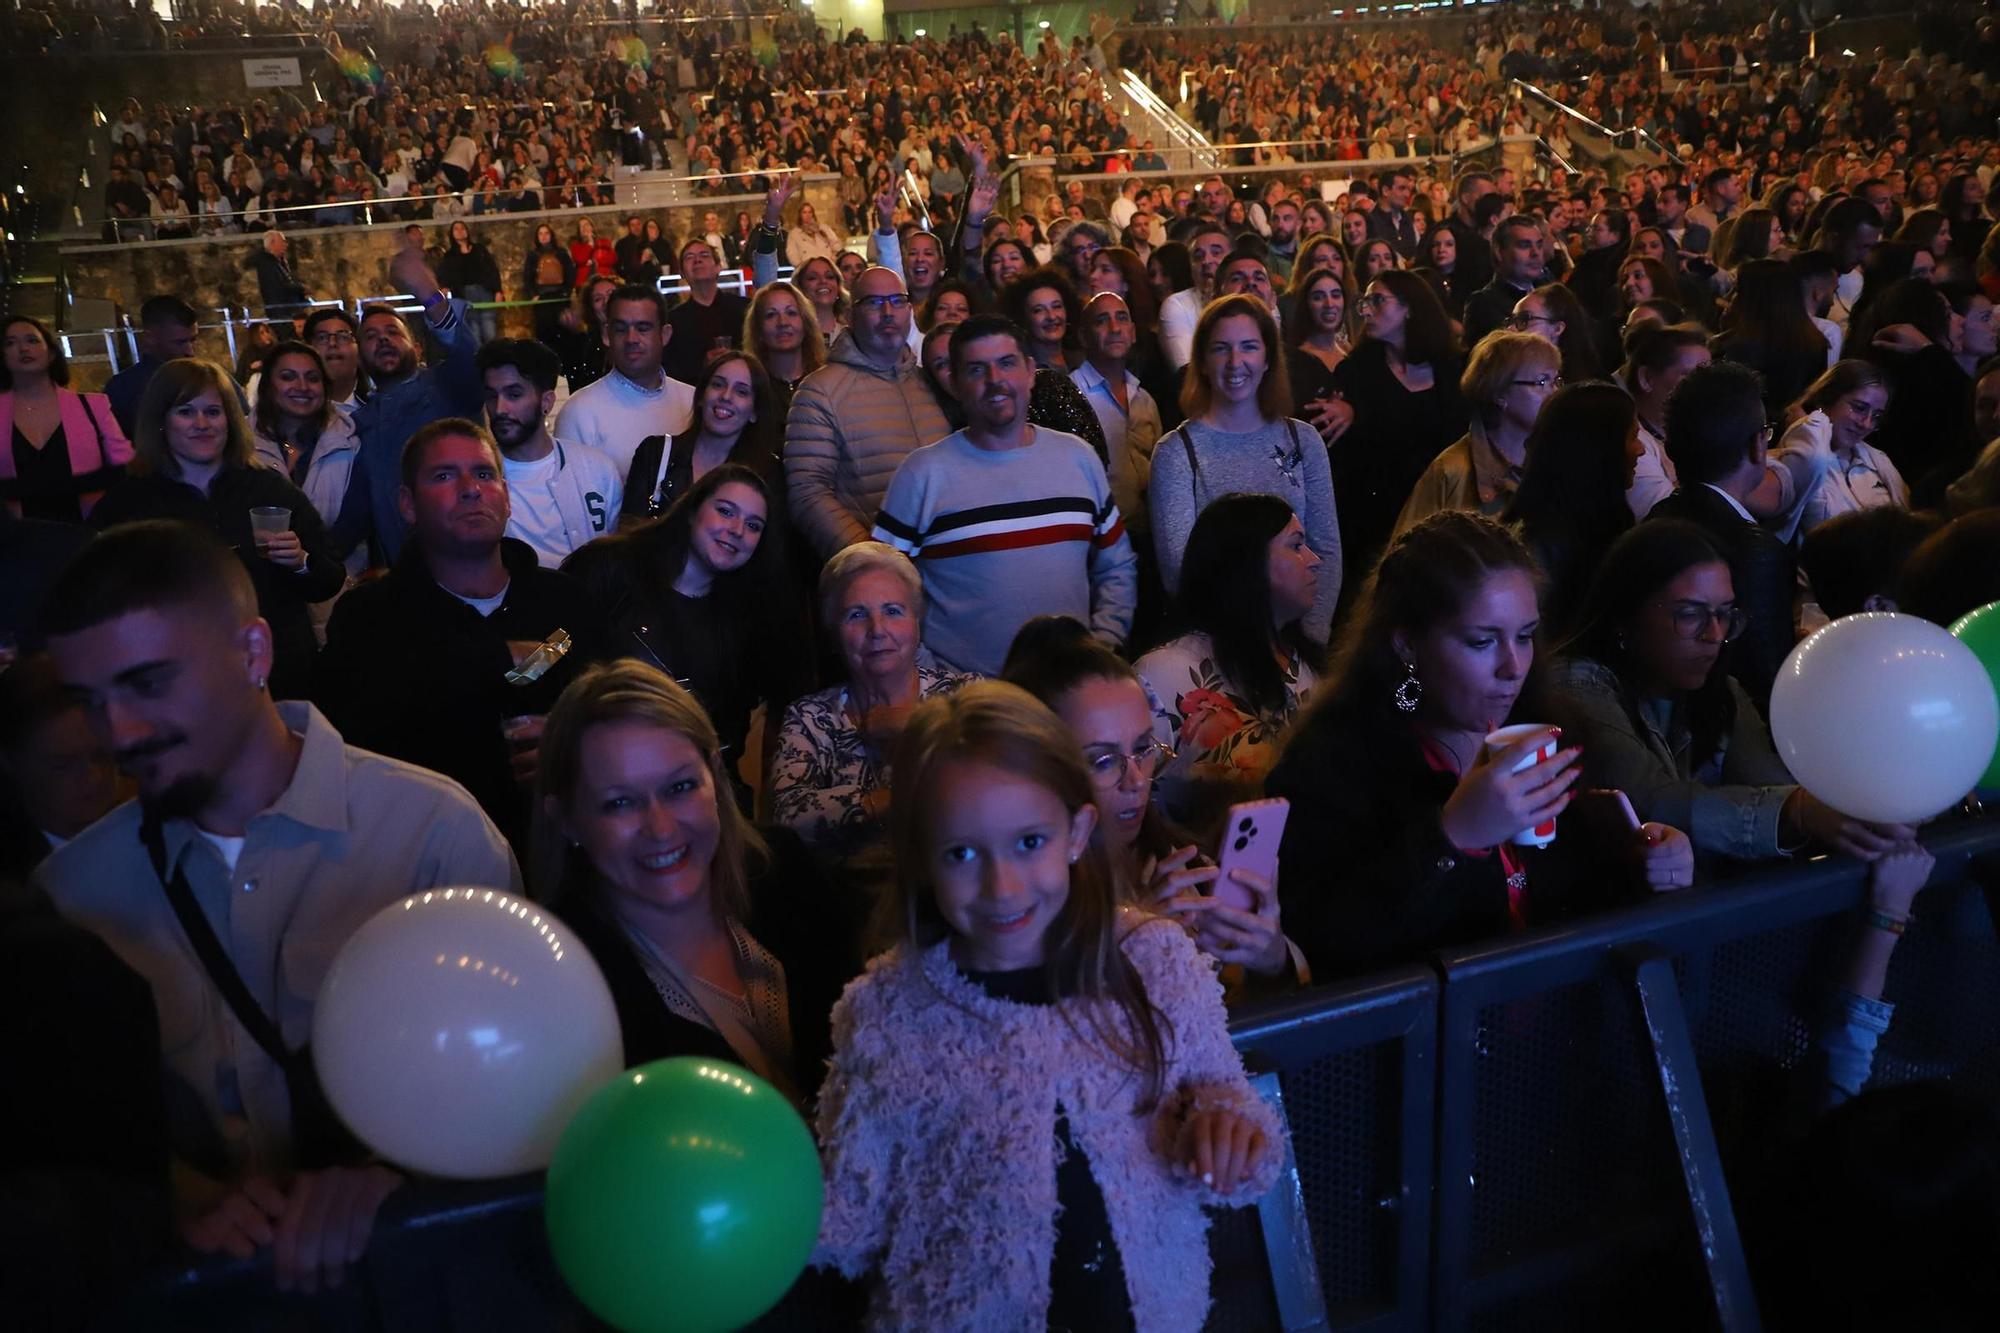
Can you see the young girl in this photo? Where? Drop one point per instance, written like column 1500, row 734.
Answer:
column 1033, row 1095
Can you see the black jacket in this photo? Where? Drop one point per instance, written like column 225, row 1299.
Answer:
column 1488, row 308
column 1367, row 878
column 1765, row 572
column 1927, row 431
column 412, row 672
column 284, row 598
column 812, row 928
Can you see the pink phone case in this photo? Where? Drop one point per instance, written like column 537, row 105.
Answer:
column 1250, row 841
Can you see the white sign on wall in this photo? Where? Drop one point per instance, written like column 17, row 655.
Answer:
column 273, row 72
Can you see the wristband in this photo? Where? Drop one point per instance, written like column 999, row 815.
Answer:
column 432, row 299
column 1880, row 920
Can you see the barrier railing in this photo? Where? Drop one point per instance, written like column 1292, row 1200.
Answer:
column 1541, row 1132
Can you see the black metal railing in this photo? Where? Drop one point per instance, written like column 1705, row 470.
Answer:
column 1542, row 1133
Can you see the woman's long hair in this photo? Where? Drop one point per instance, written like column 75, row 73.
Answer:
column 1300, row 323
column 812, row 342
column 628, row 690
column 179, row 381
column 1428, row 574
column 1632, row 573
column 58, row 363
column 1052, row 655
column 1570, row 504
column 1226, row 594
column 1428, row 339
column 1769, row 312
column 1004, row 727
column 266, row 414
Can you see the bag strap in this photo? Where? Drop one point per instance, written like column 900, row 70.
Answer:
column 214, row 958
column 1194, row 464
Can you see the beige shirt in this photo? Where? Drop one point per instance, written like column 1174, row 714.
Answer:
column 352, row 833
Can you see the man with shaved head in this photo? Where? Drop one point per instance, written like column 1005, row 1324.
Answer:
column 855, row 419
column 258, row 844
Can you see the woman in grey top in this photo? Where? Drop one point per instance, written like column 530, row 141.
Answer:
column 1240, row 438
column 1644, row 692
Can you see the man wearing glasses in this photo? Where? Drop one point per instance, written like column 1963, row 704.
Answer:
column 855, row 419
column 1717, row 439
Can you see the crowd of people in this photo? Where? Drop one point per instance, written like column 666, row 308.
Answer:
column 945, row 608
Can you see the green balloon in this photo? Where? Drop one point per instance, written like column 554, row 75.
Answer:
column 685, row 1195
column 1980, row 631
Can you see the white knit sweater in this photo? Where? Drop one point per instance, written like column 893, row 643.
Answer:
column 938, row 1125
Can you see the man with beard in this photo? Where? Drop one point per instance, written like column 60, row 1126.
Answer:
column 562, row 494
column 1005, row 520
column 407, row 394
column 259, row 843
column 431, row 662
column 855, row 419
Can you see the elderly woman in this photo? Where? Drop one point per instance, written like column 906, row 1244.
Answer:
column 830, row 779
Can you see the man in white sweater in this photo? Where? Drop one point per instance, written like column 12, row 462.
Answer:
column 637, row 398
column 1179, row 313
column 564, row 494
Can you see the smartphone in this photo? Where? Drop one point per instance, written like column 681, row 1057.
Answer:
column 1250, row 841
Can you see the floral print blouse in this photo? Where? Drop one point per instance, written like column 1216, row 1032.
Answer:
column 1221, row 743
column 824, row 769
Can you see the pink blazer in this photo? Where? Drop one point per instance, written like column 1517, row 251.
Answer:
column 96, row 443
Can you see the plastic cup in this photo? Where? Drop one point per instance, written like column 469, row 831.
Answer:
column 1541, row 835
column 266, row 521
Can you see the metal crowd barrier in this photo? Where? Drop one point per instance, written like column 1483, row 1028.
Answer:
column 1539, row 1133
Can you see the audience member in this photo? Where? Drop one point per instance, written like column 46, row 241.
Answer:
column 1717, row 438
column 855, row 419
column 1400, row 837
column 1507, row 379
column 637, row 398
column 452, row 659
column 716, row 939
column 246, row 801
column 1008, row 519
column 196, row 461
column 560, row 495
column 63, row 449
column 829, row 780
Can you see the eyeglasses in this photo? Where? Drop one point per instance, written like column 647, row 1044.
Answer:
column 893, row 301
column 1519, row 322
column 332, row 339
column 1540, row 382
column 1107, row 767
column 1692, row 619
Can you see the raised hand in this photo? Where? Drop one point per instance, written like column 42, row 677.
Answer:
column 781, row 192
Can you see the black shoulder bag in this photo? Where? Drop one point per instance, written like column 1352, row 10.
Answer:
column 319, row 1139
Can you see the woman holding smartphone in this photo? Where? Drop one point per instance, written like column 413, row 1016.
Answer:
column 1155, row 865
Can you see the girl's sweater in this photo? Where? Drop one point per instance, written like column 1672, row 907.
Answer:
column 938, row 1119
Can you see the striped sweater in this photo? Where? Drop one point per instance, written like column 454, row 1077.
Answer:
column 1002, row 536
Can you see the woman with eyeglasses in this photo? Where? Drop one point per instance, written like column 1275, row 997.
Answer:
column 1641, row 691
column 1231, row 683
column 1553, row 311
column 1507, row 379
column 1155, row 866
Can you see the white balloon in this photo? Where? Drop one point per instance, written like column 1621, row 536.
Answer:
column 459, row 1029
column 1885, row 717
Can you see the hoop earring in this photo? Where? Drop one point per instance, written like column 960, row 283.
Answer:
column 1410, row 691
